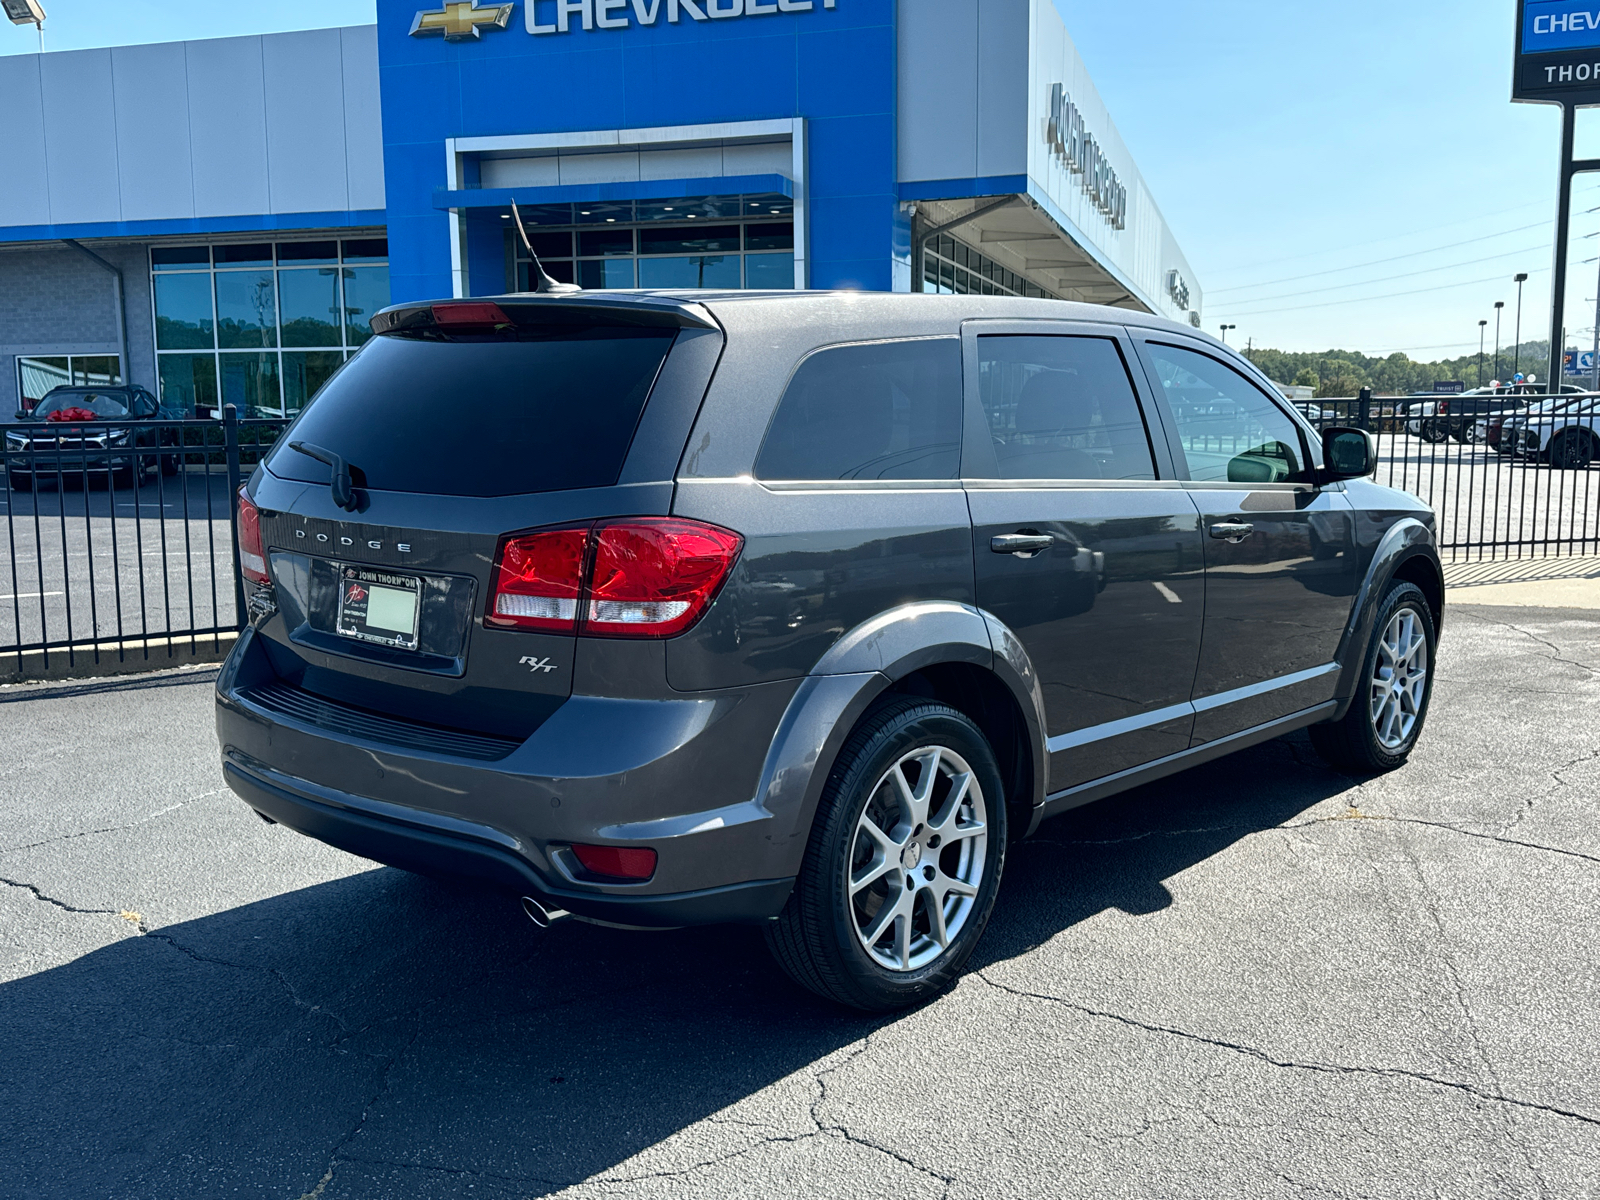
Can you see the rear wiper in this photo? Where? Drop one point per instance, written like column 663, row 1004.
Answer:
column 344, row 492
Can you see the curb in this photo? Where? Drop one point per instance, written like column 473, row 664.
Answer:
column 91, row 660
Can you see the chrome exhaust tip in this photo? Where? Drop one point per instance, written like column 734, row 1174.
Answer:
column 540, row 915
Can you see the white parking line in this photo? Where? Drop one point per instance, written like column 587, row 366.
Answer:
column 31, row 595
column 1172, row 596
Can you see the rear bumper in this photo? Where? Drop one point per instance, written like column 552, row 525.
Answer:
column 677, row 775
column 479, row 857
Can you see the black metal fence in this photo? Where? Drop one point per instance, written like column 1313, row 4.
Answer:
column 1510, row 476
column 120, row 537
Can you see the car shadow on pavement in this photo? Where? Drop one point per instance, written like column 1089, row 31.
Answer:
column 422, row 1039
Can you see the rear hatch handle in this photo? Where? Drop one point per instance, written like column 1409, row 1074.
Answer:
column 344, row 492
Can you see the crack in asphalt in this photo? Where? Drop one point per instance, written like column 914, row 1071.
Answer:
column 1556, row 654
column 1528, row 805
column 1350, row 814
column 160, row 812
column 1291, row 1064
column 283, row 980
column 822, row 1128
column 1458, row 987
column 61, row 904
column 456, row 1172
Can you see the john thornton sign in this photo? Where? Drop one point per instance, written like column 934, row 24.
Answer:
column 1078, row 151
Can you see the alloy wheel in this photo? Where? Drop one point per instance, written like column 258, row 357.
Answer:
column 917, row 859
column 1399, row 679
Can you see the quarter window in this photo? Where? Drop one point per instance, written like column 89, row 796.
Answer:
column 883, row 410
column 1061, row 408
column 1230, row 432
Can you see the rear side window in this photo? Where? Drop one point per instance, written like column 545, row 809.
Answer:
column 1061, row 407
column 553, row 410
column 884, row 410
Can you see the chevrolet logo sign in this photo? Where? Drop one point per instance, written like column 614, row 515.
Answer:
column 459, row 20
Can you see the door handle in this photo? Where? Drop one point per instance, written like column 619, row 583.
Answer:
column 1021, row 544
column 1232, row 531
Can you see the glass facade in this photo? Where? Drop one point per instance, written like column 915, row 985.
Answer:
column 37, row 374
column 950, row 267
column 722, row 242
column 261, row 325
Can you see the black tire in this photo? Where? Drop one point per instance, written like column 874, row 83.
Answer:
column 1572, row 451
column 169, row 465
column 1352, row 743
column 1434, row 430
column 20, row 482
column 817, row 938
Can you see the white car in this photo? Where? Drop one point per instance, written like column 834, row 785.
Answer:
column 1565, row 435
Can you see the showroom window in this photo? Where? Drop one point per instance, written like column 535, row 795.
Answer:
column 725, row 242
column 950, row 267
column 37, row 374
column 261, row 325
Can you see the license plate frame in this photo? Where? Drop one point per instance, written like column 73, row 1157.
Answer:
column 359, row 587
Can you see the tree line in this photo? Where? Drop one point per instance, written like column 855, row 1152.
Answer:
column 1346, row 372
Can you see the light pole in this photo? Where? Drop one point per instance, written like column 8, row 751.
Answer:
column 1516, row 351
column 27, row 12
column 1225, row 329
column 1482, row 328
column 1498, row 305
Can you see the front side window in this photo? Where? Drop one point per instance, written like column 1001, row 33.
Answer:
column 1230, row 432
column 883, row 410
column 1061, row 408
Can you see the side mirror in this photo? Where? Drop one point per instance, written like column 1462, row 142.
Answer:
column 1347, row 454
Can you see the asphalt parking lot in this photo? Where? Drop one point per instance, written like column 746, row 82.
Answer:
column 1256, row 979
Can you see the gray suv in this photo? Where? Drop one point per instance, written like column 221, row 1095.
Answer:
column 796, row 608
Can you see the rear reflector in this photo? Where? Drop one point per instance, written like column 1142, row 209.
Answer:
column 618, row 862
column 645, row 577
column 252, row 558
column 539, row 581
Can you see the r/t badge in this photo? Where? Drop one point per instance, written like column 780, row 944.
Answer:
column 536, row 664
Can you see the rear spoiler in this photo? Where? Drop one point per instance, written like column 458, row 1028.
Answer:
column 528, row 308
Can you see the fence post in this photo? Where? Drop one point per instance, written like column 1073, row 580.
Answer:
column 1364, row 409
column 230, row 444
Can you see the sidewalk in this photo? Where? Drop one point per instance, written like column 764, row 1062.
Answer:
column 1528, row 582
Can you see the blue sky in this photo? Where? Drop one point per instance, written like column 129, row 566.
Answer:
column 1340, row 176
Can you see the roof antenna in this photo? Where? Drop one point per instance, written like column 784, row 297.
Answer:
column 545, row 283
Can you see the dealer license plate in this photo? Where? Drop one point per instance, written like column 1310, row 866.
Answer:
column 375, row 606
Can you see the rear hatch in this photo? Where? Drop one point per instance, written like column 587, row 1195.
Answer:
column 460, row 424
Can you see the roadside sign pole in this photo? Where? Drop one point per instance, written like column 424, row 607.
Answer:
column 1595, row 360
column 1556, row 60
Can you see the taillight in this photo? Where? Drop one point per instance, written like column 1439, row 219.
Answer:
column 1444, row 408
column 654, row 576
column 252, row 558
column 618, row 862
column 645, row 577
column 538, row 581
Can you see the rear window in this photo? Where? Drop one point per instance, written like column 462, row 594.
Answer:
column 883, row 410
column 555, row 409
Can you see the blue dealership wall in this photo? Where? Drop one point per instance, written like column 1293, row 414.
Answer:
column 833, row 67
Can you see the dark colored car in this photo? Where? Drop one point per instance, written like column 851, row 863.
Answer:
column 90, row 432
column 798, row 608
column 1463, row 416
